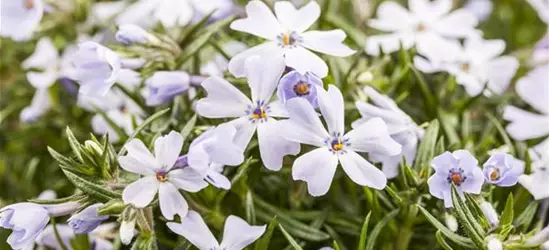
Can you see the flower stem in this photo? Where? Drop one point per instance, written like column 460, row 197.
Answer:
column 57, row 236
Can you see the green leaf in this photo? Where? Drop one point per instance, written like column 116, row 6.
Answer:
column 117, row 129
column 70, row 164
column 188, row 128
column 250, row 208
column 198, row 42
column 76, row 197
column 379, row 226
column 263, row 242
column 466, row 219
column 93, row 189
column 143, row 125
column 290, row 239
column 502, row 132
column 75, row 145
column 508, row 214
column 458, row 239
column 441, row 241
column 187, row 34
column 430, row 101
column 80, row 242
column 426, row 150
column 364, row 232
column 526, row 217
column 336, row 246
column 447, row 121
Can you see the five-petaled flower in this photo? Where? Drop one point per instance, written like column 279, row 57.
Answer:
column 459, row 168
column 503, row 169
column 20, row 18
column 401, row 128
column 318, row 166
column 287, row 36
column 226, row 101
column 236, row 236
column 97, row 68
column 426, row 21
column 294, row 84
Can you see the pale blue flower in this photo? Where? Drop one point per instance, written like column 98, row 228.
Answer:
column 236, row 236
column 294, row 84
column 482, row 9
column 20, row 18
column 490, row 213
column 27, row 220
column 97, row 68
column 536, row 182
column 401, row 128
column 226, row 101
column 334, row 146
column 87, row 220
column 163, row 86
column 503, row 169
column 459, row 168
column 222, row 9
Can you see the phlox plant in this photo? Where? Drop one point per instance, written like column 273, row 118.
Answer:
column 304, row 124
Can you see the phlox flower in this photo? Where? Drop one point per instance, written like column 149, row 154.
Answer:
column 534, row 90
column 294, row 84
column 48, row 239
column 318, row 166
column 87, row 220
column 401, row 128
column 20, row 18
column 459, row 168
column 159, row 176
column 536, row 182
column 287, row 35
column 426, row 20
column 237, row 233
column 482, row 9
column 97, row 68
column 163, row 86
column 503, row 169
column 226, row 101
column 475, row 65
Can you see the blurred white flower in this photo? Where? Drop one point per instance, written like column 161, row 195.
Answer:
column 20, row 18
column 475, row 65
column 542, row 7
column 236, row 236
column 86, row 220
column 287, row 36
column 27, row 220
column 494, row 243
column 534, row 90
column 536, row 182
column 146, row 13
column 482, row 9
column 223, row 8
column 226, row 101
column 426, row 20
column 401, row 128
column 490, row 213
column 334, row 146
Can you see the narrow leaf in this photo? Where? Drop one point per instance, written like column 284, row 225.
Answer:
column 143, row 125
column 290, row 239
column 263, row 242
column 458, row 239
column 377, row 229
column 364, row 232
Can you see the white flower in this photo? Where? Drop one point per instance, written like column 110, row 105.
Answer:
column 146, row 13
column 127, row 230
column 494, row 243
column 226, row 101
column 490, row 213
column 159, row 175
column 401, row 128
column 542, row 7
column 20, row 18
column 287, row 36
column 45, row 58
column 536, row 182
column 318, row 166
column 87, row 220
column 222, row 8
column 48, row 239
column 27, row 220
column 236, row 236
column 425, row 21
column 475, row 65
column 97, row 68
column 482, row 9
column 534, row 90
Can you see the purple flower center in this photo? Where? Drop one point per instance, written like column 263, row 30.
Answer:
column 456, row 176
column 161, row 176
column 259, row 112
column 337, row 143
column 289, row 39
column 302, row 88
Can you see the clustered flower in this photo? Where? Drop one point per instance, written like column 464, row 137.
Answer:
column 287, row 105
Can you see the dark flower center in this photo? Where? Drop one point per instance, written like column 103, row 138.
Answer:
column 465, row 67
column 259, row 113
column 161, row 176
column 337, row 145
column 456, row 176
column 29, row 4
column 421, row 27
column 302, row 88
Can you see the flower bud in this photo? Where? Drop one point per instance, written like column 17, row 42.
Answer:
column 62, row 208
column 451, row 222
column 87, row 220
column 127, row 226
column 112, row 207
column 539, row 238
column 490, row 213
column 131, row 34
column 92, row 146
column 365, row 77
column 494, row 243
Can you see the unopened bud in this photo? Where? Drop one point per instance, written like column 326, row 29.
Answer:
column 112, row 207
column 490, row 213
column 494, row 243
column 365, row 77
column 92, row 146
column 131, row 34
column 451, row 222
column 127, row 225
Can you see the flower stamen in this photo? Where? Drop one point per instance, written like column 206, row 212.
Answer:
column 456, row 176
column 302, row 88
column 161, row 176
column 29, row 4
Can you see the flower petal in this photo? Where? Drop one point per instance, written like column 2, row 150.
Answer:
column 140, row 152
column 386, row 21
column 223, row 100
column 500, row 71
column 444, row 162
column 238, row 233
column 237, row 63
column 263, row 77
column 361, row 171
column 141, row 192
column 218, row 179
column 167, row 149
column 317, row 168
column 458, row 24
column 45, row 55
column 188, row 179
column 332, row 108
column 171, row 201
column 304, row 126
column 388, row 43
column 525, row 125
column 297, row 20
column 131, row 164
column 534, row 90
column 245, row 130
column 272, row 146
column 327, row 42
column 195, row 230
column 260, row 21
column 373, row 136
column 303, row 61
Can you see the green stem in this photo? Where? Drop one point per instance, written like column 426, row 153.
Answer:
column 57, row 235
